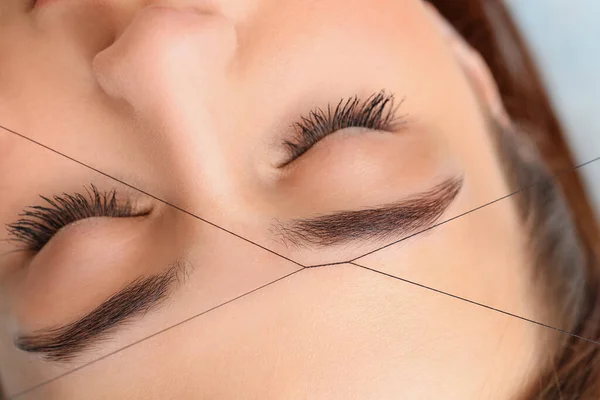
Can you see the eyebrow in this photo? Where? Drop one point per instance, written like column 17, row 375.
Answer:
column 401, row 218
column 406, row 216
column 64, row 343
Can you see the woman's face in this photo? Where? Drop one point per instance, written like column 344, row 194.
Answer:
column 200, row 106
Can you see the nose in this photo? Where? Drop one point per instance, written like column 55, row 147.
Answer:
column 169, row 64
column 162, row 53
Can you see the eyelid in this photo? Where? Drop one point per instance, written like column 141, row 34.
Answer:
column 38, row 224
column 376, row 113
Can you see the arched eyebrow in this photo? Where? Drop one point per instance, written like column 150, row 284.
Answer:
column 401, row 218
column 64, row 343
column 406, row 216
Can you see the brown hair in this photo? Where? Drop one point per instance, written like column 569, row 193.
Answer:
column 564, row 230
column 565, row 240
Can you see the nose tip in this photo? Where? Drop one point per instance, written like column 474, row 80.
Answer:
column 164, row 50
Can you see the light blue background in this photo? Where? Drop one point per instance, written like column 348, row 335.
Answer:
column 565, row 38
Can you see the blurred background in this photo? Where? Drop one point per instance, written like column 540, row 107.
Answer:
column 564, row 36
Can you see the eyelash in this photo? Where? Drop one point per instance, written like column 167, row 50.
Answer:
column 373, row 113
column 39, row 223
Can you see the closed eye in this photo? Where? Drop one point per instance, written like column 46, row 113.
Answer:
column 377, row 113
column 38, row 224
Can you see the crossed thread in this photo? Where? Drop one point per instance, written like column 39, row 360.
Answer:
column 301, row 266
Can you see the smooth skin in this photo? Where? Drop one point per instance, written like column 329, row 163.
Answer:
column 190, row 105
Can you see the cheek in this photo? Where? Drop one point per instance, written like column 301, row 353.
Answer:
column 361, row 48
column 34, row 79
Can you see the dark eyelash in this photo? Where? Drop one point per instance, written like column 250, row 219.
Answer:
column 377, row 112
column 39, row 223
